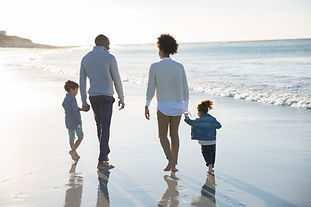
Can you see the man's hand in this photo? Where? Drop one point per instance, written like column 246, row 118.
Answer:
column 86, row 108
column 121, row 105
column 147, row 114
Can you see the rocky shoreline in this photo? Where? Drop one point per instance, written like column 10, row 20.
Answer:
column 15, row 41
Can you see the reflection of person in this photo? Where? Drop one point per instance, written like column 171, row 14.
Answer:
column 74, row 192
column 208, row 190
column 168, row 79
column 102, row 70
column 170, row 196
column 102, row 194
column 204, row 130
column 73, row 118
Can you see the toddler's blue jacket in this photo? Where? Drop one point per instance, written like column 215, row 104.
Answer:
column 203, row 128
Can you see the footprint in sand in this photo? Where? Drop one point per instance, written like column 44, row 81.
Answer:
column 21, row 195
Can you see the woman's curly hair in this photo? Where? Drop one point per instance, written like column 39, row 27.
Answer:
column 167, row 44
column 205, row 106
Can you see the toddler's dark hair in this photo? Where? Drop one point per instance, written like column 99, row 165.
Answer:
column 167, row 44
column 205, row 106
column 70, row 85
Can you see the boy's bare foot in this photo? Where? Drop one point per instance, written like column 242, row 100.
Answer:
column 72, row 154
column 77, row 159
column 169, row 165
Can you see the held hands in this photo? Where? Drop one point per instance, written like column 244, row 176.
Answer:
column 147, row 113
column 86, row 108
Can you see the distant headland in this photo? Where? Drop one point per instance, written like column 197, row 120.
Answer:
column 14, row 41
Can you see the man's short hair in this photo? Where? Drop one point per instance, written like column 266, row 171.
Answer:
column 70, row 85
column 100, row 40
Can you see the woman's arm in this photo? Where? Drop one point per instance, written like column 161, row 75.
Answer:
column 151, row 86
column 185, row 86
column 150, row 91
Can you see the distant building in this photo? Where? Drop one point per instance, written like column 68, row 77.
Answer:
column 2, row 33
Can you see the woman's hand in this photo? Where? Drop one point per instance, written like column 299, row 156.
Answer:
column 147, row 114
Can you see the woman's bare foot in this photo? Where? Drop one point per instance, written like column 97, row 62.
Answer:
column 174, row 169
column 169, row 165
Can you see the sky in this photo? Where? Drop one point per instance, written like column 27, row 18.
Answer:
column 78, row 22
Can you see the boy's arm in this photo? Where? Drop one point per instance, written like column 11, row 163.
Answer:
column 74, row 105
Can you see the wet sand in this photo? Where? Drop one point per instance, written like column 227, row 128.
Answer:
column 263, row 153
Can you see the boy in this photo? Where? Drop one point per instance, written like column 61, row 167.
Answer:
column 204, row 130
column 73, row 118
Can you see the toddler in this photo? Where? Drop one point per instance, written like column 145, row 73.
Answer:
column 203, row 129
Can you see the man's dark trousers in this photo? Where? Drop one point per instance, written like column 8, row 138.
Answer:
column 102, row 107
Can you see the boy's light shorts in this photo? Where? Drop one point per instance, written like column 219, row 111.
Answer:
column 77, row 131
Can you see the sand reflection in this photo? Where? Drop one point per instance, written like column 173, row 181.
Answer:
column 170, row 196
column 74, row 188
column 102, row 193
column 207, row 197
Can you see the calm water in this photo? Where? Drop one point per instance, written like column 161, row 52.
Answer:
column 270, row 72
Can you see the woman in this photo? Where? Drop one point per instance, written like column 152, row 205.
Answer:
column 168, row 79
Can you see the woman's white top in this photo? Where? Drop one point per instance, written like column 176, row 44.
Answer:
column 168, row 79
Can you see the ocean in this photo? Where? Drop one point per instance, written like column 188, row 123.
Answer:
column 276, row 72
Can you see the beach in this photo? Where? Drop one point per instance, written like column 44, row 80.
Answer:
column 263, row 151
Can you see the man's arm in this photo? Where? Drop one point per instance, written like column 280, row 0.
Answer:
column 83, row 85
column 117, row 80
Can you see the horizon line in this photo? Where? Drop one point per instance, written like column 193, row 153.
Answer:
column 199, row 42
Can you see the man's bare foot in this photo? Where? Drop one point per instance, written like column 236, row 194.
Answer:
column 169, row 165
column 104, row 166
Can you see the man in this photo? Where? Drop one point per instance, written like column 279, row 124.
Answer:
column 102, row 70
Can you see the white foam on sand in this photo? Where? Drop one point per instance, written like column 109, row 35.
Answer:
column 263, row 153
